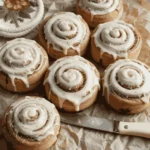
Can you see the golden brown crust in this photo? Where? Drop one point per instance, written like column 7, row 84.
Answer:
column 122, row 104
column 107, row 59
column 67, row 105
column 94, row 20
column 58, row 54
column 20, row 143
column 34, row 79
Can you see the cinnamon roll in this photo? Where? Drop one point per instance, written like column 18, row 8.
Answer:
column 64, row 34
column 31, row 123
column 126, row 86
column 99, row 11
column 23, row 63
column 72, row 83
column 115, row 40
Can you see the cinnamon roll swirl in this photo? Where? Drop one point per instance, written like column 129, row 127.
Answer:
column 22, row 65
column 99, row 11
column 72, row 83
column 31, row 123
column 126, row 86
column 115, row 40
column 64, row 34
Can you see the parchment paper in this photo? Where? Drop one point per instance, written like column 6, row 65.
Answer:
column 137, row 13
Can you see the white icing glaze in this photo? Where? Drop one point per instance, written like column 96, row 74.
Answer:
column 71, row 72
column 34, row 117
column 115, row 38
column 60, row 28
column 100, row 7
column 70, row 78
column 20, row 58
column 7, row 30
column 128, row 78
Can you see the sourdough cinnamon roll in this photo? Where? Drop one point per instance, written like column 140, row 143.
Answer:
column 99, row 11
column 31, row 123
column 126, row 86
column 115, row 40
column 23, row 63
column 64, row 34
column 72, row 83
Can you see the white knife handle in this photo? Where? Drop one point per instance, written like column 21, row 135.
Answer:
column 133, row 128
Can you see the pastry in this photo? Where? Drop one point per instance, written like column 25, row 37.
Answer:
column 64, row 34
column 115, row 40
column 31, row 123
column 95, row 12
column 72, row 83
column 19, row 17
column 23, row 63
column 126, row 86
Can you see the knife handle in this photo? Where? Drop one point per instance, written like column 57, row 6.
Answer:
column 137, row 129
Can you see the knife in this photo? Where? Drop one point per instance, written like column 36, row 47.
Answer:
column 141, row 129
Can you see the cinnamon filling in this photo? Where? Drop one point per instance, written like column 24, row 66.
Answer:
column 11, row 129
column 136, row 39
column 65, row 37
column 126, row 96
column 124, row 86
column 95, row 1
column 75, row 88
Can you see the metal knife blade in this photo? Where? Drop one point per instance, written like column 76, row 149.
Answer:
column 140, row 129
column 85, row 121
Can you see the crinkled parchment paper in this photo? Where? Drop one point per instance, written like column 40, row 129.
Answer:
column 137, row 13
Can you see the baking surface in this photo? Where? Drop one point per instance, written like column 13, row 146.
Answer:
column 73, row 138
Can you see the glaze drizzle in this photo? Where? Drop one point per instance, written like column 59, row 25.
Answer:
column 100, row 7
column 65, row 31
column 128, row 78
column 73, row 79
column 20, row 58
column 34, row 117
column 115, row 38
